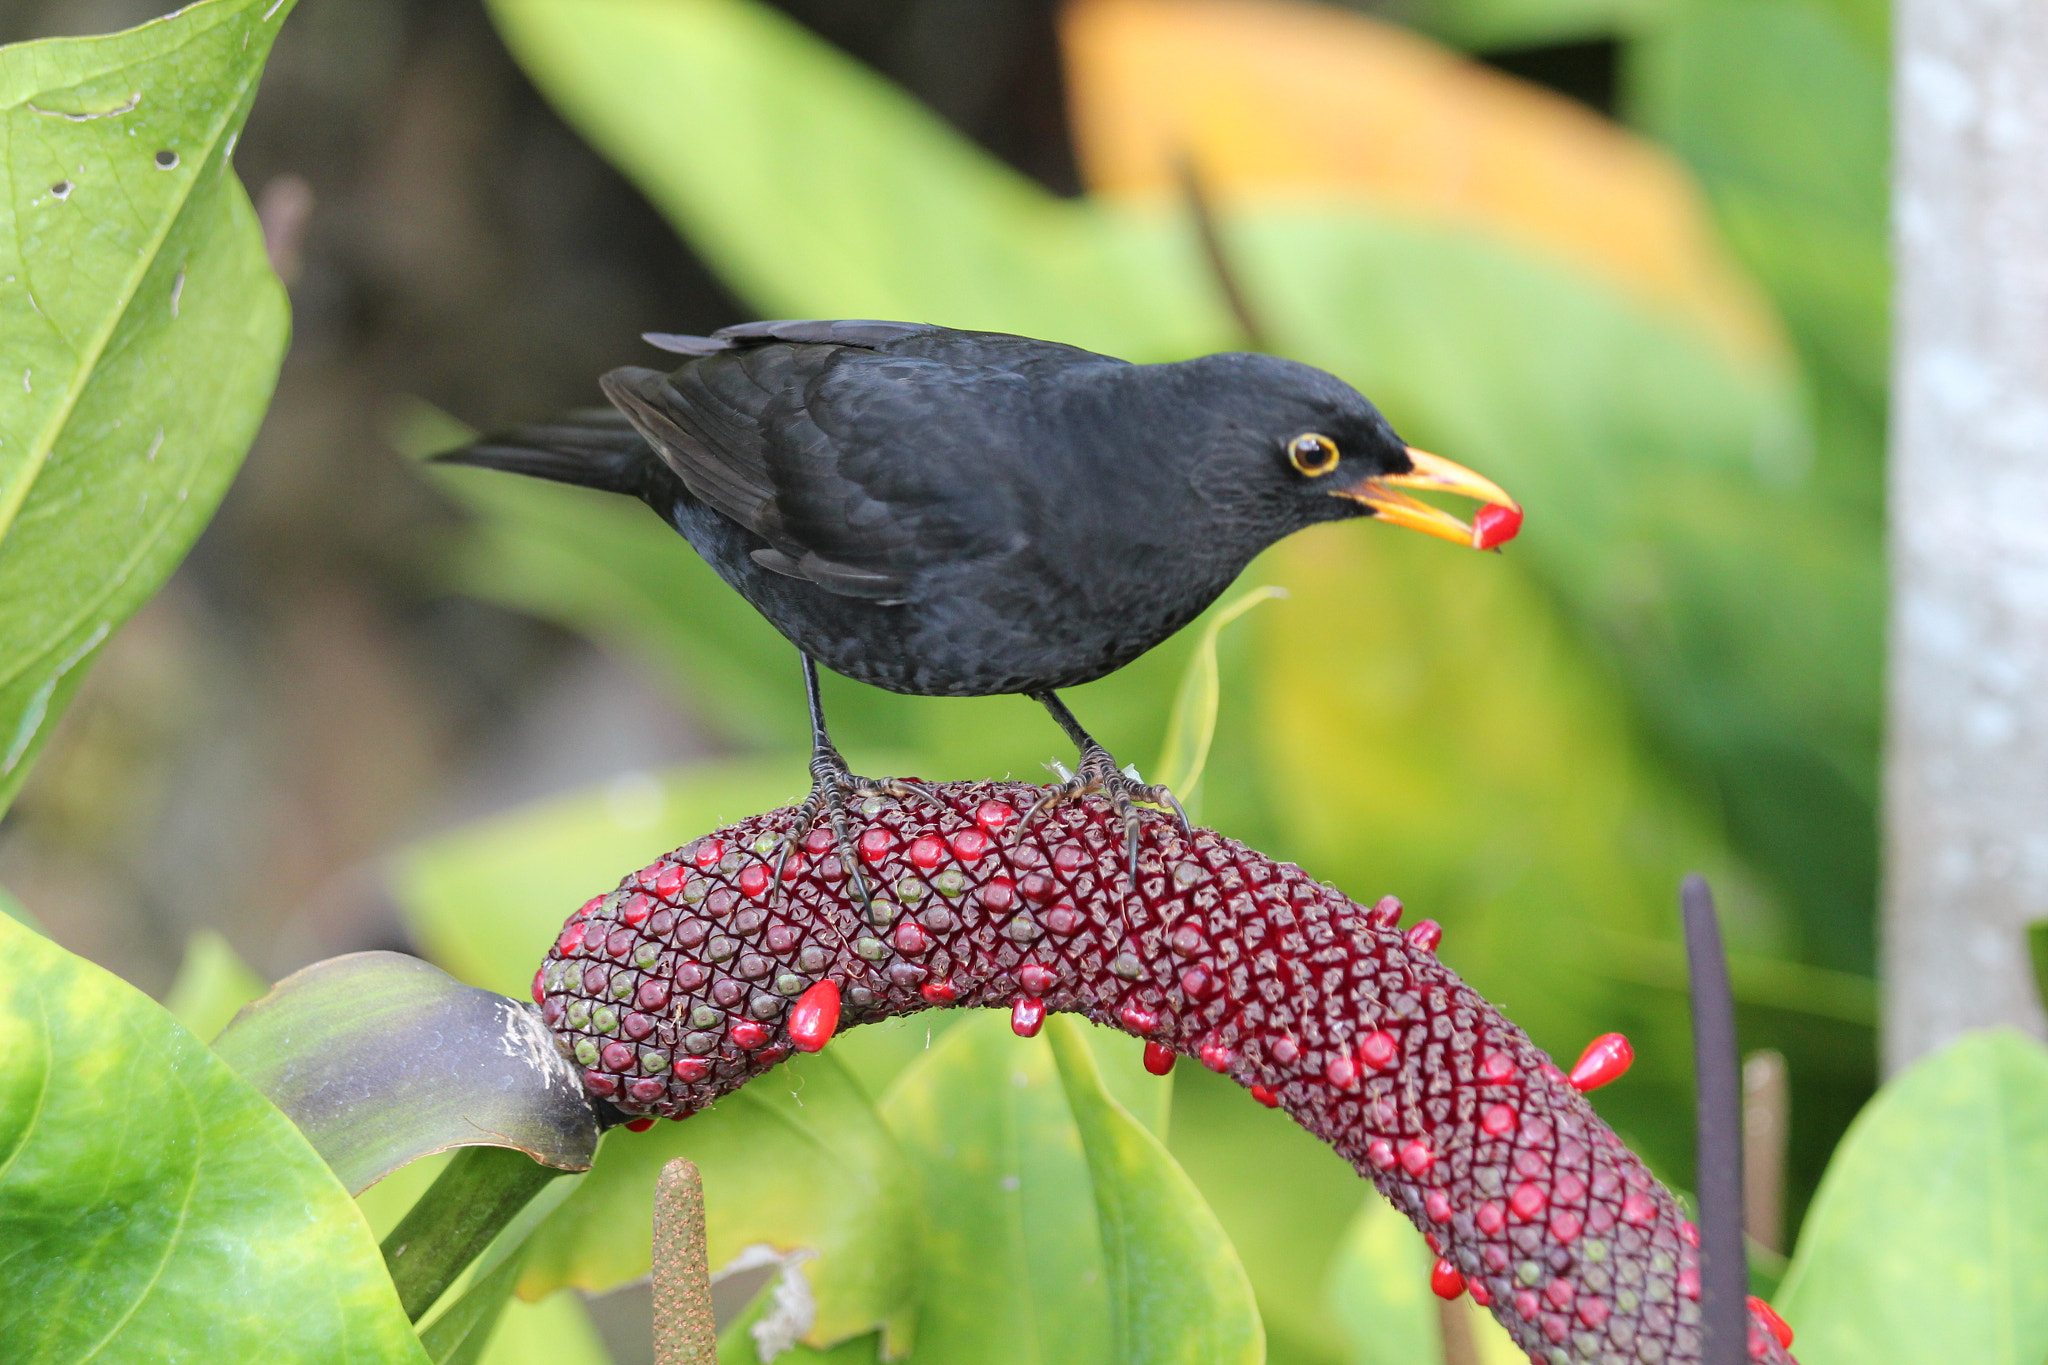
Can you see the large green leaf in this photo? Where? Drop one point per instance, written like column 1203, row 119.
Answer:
column 141, row 325
column 1928, row 1241
column 781, row 121
column 797, row 1159
column 151, row 1201
column 1176, row 1290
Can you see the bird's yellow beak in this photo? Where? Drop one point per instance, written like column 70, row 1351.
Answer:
column 1494, row 526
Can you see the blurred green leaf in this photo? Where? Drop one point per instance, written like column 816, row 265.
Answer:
column 1176, row 1290
column 1489, row 25
column 1013, row 1266
column 151, row 1200
column 1928, row 1241
column 798, row 1158
column 795, row 151
column 555, row 1331
column 486, row 900
column 1191, row 727
column 212, row 983
column 16, row 911
column 459, row 1335
column 1379, row 1289
column 142, row 329
column 381, row 1059
column 741, row 1341
column 2037, row 952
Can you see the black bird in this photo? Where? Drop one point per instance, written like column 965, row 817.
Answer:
column 957, row 514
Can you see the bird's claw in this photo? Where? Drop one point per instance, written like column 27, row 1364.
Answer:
column 1121, row 787
column 833, row 786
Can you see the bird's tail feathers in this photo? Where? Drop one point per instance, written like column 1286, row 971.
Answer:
column 591, row 448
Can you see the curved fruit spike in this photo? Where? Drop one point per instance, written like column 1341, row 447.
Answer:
column 1445, row 1280
column 1159, row 1058
column 1605, row 1060
column 1027, row 1016
column 815, row 1017
column 1768, row 1316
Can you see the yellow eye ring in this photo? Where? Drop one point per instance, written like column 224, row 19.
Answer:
column 1313, row 454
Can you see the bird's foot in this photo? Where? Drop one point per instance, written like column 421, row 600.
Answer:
column 1122, row 787
column 833, row 788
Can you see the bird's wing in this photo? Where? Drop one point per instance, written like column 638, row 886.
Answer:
column 858, row 469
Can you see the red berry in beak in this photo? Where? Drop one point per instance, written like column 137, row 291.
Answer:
column 1495, row 526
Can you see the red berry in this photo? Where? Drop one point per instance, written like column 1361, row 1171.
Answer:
column 1159, row 1058
column 1497, row 1121
column 969, row 845
column 1036, row 978
column 927, row 852
column 749, row 1034
column 1217, row 1057
column 1445, row 1281
column 1638, row 1209
column 1379, row 1153
column 1138, row 1019
column 692, row 1069
column 793, row 867
column 999, row 895
column 570, row 941
column 1688, row 1282
column 1027, row 1016
column 1417, row 1158
column 1593, row 1311
column 1341, row 1072
column 1497, row 1069
column 1265, row 1097
column 1426, row 935
column 1603, row 1062
column 1481, row 1295
column 994, row 816
column 1565, row 1226
column 875, row 844
column 814, row 1017
column 1495, row 526
column 1491, row 1217
column 1436, row 1205
column 636, row 910
column 938, row 992
column 618, row 1056
column 1378, row 1050
column 1528, row 1201
column 1773, row 1324
column 540, row 993
column 708, row 854
column 909, row 939
column 1689, row 1233
column 754, row 880
column 1385, row 913
column 639, row 1125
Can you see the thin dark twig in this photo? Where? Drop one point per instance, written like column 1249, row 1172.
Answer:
column 1724, row 1274
column 1228, row 281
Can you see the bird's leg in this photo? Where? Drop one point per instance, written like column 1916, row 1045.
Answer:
column 832, row 786
column 1099, row 773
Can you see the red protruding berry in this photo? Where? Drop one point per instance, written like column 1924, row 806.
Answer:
column 969, row 845
column 570, row 941
column 1379, row 1050
column 1425, row 935
column 618, row 1056
column 999, row 895
column 1159, row 1058
column 1497, row 1069
column 754, row 881
column 1381, row 1155
column 1775, row 1325
column 1341, row 1072
column 910, row 940
column 540, row 992
column 1436, row 1205
column 1138, row 1019
column 792, row 868
column 1689, row 1233
column 1528, row 1201
column 600, row 1085
column 1497, row 1121
column 1605, row 1060
column 1385, row 913
column 1688, row 1282
column 1217, row 1057
column 639, row 1125
column 875, row 844
column 1445, row 1281
column 708, row 854
column 1638, row 1209
column 1265, row 1096
column 692, row 1069
column 669, row 881
column 994, row 816
column 927, row 851
column 940, row 992
column 749, row 1034
column 1027, row 1016
column 1481, row 1295
column 814, row 1018
column 1036, row 978
column 819, row 841
column 1495, row 526
column 1417, row 1158
column 636, row 910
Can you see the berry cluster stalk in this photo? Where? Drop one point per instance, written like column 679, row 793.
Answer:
column 705, row 969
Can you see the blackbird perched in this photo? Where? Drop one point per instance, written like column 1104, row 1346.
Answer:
column 959, row 514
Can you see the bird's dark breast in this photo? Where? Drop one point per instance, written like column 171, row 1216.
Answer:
column 1016, row 624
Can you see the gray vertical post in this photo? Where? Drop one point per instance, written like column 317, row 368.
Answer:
column 1966, row 773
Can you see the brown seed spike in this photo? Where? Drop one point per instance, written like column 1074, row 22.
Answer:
column 1535, row 1203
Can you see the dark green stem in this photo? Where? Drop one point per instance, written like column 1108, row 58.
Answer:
column 483, row 1189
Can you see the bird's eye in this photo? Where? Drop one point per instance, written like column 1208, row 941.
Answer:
column 1314, row 455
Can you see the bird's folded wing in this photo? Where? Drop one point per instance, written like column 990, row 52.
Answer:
column 841, row 469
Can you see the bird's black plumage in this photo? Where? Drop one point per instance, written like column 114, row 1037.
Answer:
column 952, row 513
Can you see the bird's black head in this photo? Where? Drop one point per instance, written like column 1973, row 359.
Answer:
column 1291, row 446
